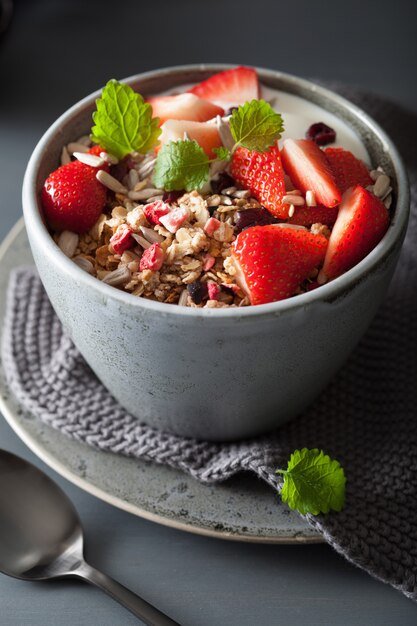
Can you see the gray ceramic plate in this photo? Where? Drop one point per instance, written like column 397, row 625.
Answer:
column 243, row 508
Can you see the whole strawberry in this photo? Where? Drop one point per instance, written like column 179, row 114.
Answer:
column 73, row 198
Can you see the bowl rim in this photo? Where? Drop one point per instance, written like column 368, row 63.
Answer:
column 325, row 293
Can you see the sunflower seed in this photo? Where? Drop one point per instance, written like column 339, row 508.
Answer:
column 388, row 201
column 144, row 194
column 310, row 198
column 88, row 159
column 117, row 277
column 141, row 241
column 296, row 200
column 76, row 147
column 68, row 242
column 241, row 194
column 387, row 193
column 132, row 179
column 293, row 226
column 183, row 298
column 151, row 235
column 381, row 185
column 291, row 210
column 110, row 182
column 84, row 264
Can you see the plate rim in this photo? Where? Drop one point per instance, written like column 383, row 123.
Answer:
column 48, row 458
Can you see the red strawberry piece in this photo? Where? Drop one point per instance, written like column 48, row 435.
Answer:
column 152, row 258
column 206, row 135
column 185, row 106
column 361, row 223
column 308, row 168
column 347, row 169
column 263, row 175
column 211, row 226
column 173, row 220
column 213, row 291
column 73, row 198
column 272, row 261
column 209, row 261
column 307, row 215
column 96, row 151
column 122, row 239
column 155, row 210
column 235, row 86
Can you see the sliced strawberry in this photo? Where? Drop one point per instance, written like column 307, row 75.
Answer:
column 263, row 175
column 361, row 223
column 73, row 198
column 186, row 106
column 347, row 169
column 307, row 215
column 308, row 168
column 230, row 87
column 272, row 261
column 206, row 135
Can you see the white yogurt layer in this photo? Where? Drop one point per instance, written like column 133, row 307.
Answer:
column 298, row 115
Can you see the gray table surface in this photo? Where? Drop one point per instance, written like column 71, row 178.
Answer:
column 58, row 51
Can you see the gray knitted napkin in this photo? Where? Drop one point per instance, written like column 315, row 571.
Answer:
column 366, row 418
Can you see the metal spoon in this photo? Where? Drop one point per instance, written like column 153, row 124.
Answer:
column 41, row 536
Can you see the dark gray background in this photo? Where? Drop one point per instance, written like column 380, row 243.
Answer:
column 57, row 51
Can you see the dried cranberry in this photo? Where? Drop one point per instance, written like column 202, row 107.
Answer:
column 172, row 196
column 197, row 291
column 321, row 134
column 253, row 217
column 223, row 181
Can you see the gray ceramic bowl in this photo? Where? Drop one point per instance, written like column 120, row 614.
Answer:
column 222, row 373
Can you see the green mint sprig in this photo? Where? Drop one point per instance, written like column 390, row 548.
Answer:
column 123, row 121
column 181, row 165
column 254, row 125
column 313, row 482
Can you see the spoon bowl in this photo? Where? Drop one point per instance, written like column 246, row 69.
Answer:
column 41, row 537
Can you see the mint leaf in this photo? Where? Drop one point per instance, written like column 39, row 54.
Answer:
column 224, row 154
column 313, row 482
column 181, row 164
column 256, row 126
column 123, row 121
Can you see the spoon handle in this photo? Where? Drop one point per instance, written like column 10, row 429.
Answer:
column 150, row 615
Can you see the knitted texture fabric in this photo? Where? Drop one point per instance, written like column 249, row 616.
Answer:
column 366, row 418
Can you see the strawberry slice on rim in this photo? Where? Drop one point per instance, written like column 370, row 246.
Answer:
column 307, row 166
column 361, row 223
column 347, row 169
column 230, row 87
column 262, row 174
column 185, row 106
column 272, row 261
